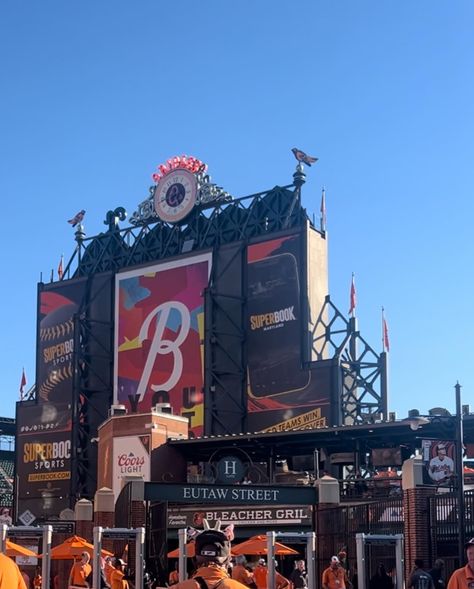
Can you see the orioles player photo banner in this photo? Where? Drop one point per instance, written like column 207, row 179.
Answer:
column 439, row 460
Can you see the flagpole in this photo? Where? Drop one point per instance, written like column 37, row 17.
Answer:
column 353, row 298
column 383, row 330
column 323, row 211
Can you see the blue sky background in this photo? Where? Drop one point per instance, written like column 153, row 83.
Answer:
column 95, row 94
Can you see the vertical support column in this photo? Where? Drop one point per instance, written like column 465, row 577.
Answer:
column 400, row 561
column 182, row 555
column 416, row 525
column 384, row 384
column 271, row 559
column 3, row 536
column 460, row 476
column 98, row 530
column 139, row 556
column 360, row 551
column 46, row 560
column 83, row 514
column 310, row 559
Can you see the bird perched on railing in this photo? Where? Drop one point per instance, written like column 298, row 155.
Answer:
column 304, row 158
column 77, row 218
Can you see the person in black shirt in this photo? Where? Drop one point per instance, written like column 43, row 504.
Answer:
column 437, row 574
column 299, row 577
column 381, row 580
column 419, row 578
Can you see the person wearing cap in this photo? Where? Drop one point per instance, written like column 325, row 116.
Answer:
column 241, row 573
column 213, row 555
column 334, row 577
column 80, row 570
column 10, row 576
column 261, row 577
column 108, row 568
column 117, row 577
column 463, row 578
column 441, row 467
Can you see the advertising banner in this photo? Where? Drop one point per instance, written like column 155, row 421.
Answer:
column 57, row 307
column 43, row 460
column 159, row 334
column 283, row 515
column 282, row 395
column 131, row 458
column 438, row 457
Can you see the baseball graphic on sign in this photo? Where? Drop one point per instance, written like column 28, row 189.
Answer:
column 56, row 339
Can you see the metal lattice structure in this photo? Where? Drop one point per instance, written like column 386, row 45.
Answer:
column 364, row 372
column 363, row 390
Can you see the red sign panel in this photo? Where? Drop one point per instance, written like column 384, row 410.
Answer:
column 159, row 337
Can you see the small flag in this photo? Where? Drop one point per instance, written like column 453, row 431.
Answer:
column 22, row 383
column 60, row 269
column 77, row 218
column 353, row 296
column 323, row 210
column 385, row 340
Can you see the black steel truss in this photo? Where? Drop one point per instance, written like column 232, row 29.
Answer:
column 364, row 372
column 363, row 383
column 241, row 219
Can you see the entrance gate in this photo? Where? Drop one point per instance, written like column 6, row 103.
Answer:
column 37, row 532
column 138, row 534
column 364, row 542
column 308, row 538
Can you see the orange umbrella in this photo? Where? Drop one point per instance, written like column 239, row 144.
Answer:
column 13, row 549
column 73, row 547
column 258, row 545
column 190, row 551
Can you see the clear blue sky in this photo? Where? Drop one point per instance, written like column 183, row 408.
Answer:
column 95, row 94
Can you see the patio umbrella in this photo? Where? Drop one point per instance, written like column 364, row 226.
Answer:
column 73, row 547
column 258, row 545
column 13, row 549
column 190, row 551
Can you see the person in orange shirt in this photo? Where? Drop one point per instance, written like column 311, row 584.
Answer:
column 174, row 576
column 117, row 578
column 37, row 578
column 10, row 576
column 334, row 577
column 463, row 578
column 212, row 558
column 80, row 571
column 108, row 569
column 260, row 574
column 240, row 572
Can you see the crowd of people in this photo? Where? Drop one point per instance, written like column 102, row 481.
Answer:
column 238, row 574
column 216, row 569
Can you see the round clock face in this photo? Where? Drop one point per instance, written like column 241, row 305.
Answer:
column 175, row 196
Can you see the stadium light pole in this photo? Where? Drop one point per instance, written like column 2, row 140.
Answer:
column 460, row 476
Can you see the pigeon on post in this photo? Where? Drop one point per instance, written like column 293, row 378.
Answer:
column 302, row 157
column 77, row 218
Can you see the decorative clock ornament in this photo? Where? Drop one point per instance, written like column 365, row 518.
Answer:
column 181, row 185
